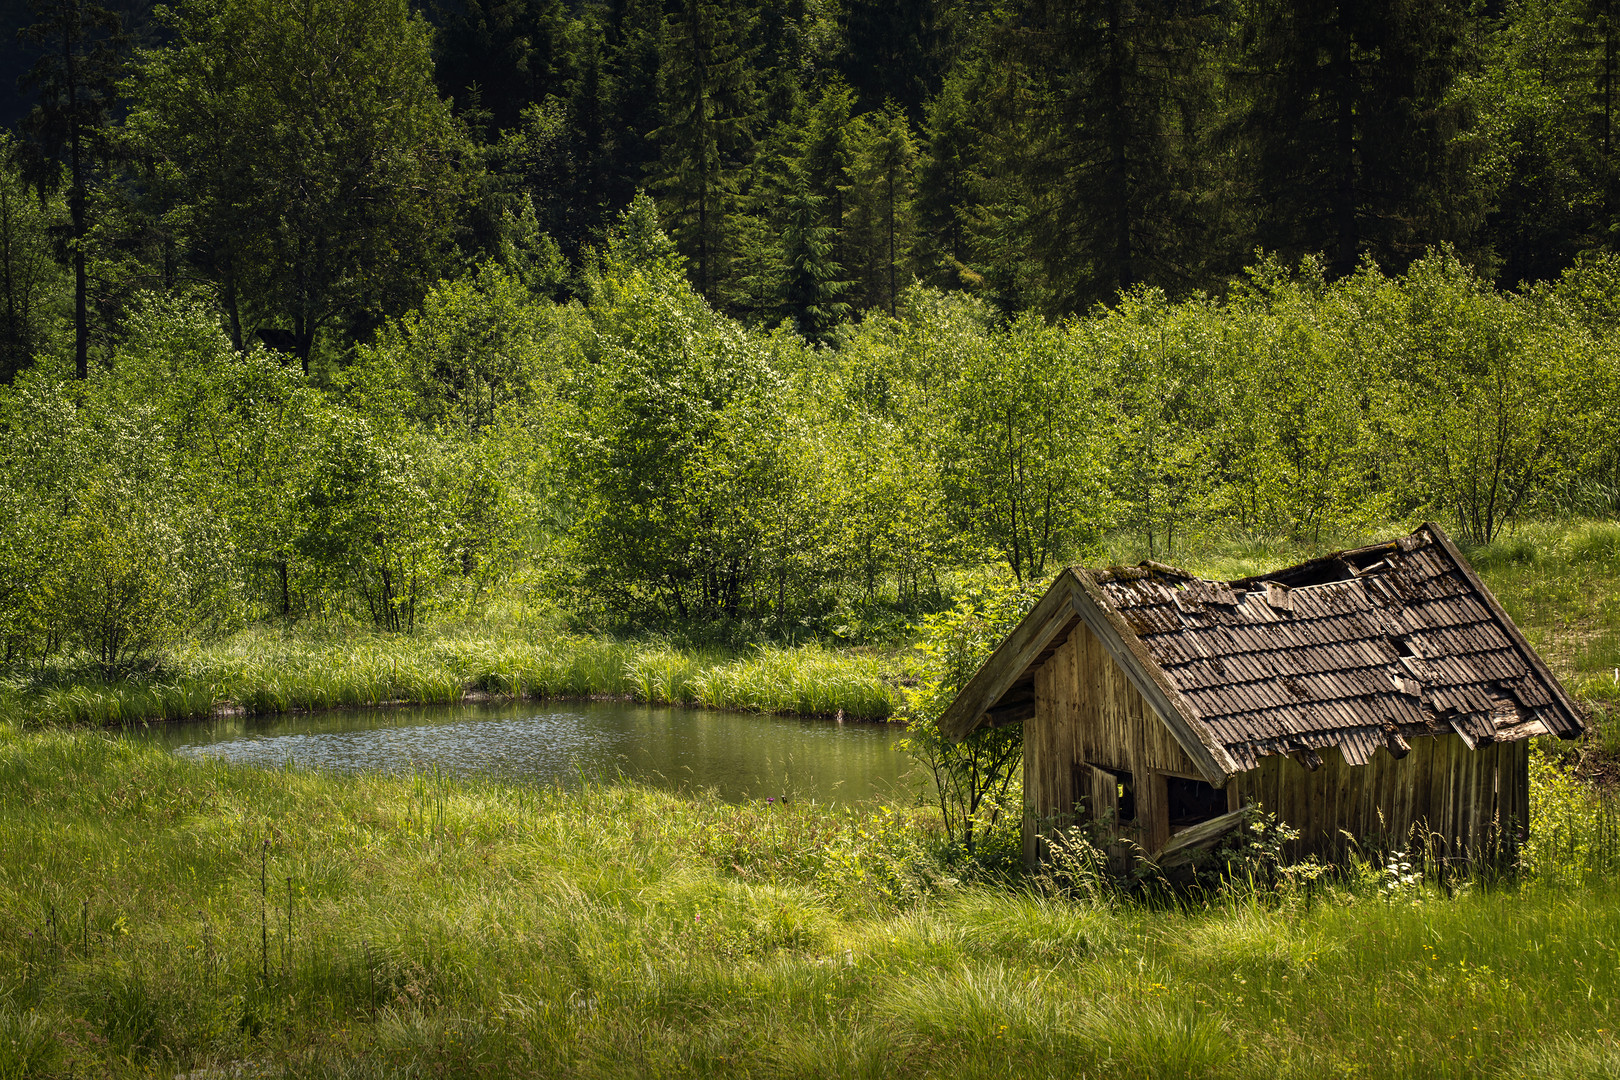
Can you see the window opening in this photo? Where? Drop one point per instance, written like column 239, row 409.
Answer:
column 1192, row 801
column 1127, row 798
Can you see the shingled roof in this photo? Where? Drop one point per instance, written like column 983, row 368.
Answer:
column 1357, row 650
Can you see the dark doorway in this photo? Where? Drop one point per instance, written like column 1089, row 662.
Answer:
column 1192, row 801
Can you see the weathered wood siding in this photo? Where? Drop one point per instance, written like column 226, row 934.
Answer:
column 1468, row 799
column 1049, row 747
column 1087, row 712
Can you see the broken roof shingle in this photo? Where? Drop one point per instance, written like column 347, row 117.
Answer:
column 1343, row 651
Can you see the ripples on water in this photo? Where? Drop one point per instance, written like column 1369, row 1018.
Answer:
column 742, row 756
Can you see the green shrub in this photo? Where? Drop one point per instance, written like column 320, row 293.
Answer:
column 973, row 779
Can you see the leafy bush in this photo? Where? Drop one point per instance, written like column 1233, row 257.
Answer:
column 973, row 779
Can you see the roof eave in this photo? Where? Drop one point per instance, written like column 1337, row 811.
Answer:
column 1574, row 724
column 1051, row 615
column 1173, row 709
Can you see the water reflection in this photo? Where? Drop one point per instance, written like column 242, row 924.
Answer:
column 742, row 756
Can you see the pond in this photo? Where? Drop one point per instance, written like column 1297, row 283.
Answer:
column 742, row 756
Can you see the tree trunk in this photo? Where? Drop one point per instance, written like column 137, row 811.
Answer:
column 81, row 318
column 1118, row 146
column 230, row 303
column 1344, row 199
column 891, row 242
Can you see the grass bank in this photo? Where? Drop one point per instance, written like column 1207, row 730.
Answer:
column 266, row 671
column 432, row 926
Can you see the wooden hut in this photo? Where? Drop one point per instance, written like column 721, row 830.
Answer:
column 1370, row 692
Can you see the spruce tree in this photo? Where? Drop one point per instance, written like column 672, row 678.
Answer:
column 75, row 83
column 1107, row 99
column 889, row 161
column 1354, row 127
column 813, row 290
column 826, row 155
column 707, row 134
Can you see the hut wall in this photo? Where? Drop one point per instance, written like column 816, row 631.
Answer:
column 1087, row 713
column 1469, row 800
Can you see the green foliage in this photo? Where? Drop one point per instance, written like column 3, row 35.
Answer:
column 113, row 555
column 678, row 469
column 31, row 285
column 480, row 349
column 1045, row 157
column 1487, row 414
column 1576, row 838
column 1021, row 462
column 973, row 779
column 306, row 156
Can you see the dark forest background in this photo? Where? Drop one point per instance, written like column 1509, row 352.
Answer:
column 811, row 159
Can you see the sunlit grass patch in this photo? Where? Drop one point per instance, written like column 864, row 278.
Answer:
column 1164, row 1036
column 1050, row 928
column 461, row 926
column 1259, row 940
column 1569, row 1058
column 266, row 672
column 975, row 1006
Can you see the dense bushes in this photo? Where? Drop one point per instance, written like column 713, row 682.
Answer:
column 638, row 458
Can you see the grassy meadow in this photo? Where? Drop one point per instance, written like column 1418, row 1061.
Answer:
column 428, row 926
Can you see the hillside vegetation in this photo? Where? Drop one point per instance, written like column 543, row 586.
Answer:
column 639, row 463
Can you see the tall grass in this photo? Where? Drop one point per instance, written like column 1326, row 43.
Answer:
column 269, row 672
column 460, row 927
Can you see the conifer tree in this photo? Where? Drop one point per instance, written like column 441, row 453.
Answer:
column 826, row 156
column 707, row 84
column 1354, row 127
column 893, row 51
column 502, row 56
column 1107, row 113
column 946, row 176
column 1545, row 100
column 75, row 83
column 618, row 157
column 812, row 290
column 886, row 165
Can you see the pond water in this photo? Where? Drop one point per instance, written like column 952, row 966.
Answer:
column 742, row 756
